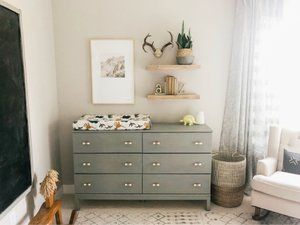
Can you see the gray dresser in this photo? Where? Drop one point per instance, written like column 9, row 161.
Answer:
column 167, row 162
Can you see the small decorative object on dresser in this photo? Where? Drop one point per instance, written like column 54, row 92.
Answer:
column 200, row 119
column 188, row 120
column 184, row 44
column 167, row 162
column 112, row 71
column 156, row 51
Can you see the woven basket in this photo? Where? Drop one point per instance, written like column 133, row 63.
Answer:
column 228, row 179
column 183, row 52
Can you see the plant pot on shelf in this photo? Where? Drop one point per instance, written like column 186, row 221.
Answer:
column 185, row 56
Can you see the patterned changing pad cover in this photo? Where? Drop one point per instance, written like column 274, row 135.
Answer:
column 113, row 122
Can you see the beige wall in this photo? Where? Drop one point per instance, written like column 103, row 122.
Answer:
column 75, row 22
column 42, row 100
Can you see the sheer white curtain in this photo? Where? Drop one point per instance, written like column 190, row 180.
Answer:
column 287, row 65
column 252, row 98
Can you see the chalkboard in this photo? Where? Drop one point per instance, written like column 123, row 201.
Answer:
column 15, row 172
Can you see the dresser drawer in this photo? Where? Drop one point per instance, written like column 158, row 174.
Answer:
column 108, row 163
column 177, row 142
column 177, row 163
column 176, row 184
column 108, row 183
column 107, row 142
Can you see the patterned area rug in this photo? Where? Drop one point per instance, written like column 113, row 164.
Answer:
column 178, row 212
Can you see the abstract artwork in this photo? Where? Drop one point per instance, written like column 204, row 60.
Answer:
column 113, row 67
column 112, row 71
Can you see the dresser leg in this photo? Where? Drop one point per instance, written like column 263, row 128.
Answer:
column 77, row 203
column 208, row 204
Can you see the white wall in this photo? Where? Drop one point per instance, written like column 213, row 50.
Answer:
column 76, row 22
column 42, row 100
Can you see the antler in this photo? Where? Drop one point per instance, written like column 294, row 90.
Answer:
column 148, row 44
column 169, row 43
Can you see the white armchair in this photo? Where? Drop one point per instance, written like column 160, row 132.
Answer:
column 273, row 189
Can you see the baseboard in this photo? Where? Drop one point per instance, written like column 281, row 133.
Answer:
column 68, row 189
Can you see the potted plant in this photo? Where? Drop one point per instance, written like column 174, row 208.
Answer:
column 184, row 44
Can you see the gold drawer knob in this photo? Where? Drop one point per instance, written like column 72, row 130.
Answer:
column 128, row 164
column 128, row 184
column 198, row 143
column 197, row 164
column 197, row 185
column 87, row 184
column 155, row 185
column 155, row 164
column 86, row 143
column 128, row 142
column 156, row 142
column 86, row 164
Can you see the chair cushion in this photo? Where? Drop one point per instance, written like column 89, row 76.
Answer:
column 291, row 162
column 279, row 184
column 291, row 148
column 289, row 140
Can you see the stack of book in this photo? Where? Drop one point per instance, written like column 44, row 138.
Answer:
column 171, row 85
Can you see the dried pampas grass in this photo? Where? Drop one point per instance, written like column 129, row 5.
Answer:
column 48, row 185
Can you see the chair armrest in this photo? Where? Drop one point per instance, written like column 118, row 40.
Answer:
column 266, row 166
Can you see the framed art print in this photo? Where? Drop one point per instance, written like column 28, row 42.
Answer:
column 112, row 71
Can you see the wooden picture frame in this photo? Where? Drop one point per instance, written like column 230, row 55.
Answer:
column 112, row 67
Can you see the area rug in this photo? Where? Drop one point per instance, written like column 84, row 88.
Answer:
column 177, row 212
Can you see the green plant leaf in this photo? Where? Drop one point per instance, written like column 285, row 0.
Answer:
column 179, row 38
column 184, row 40
column 179, row 41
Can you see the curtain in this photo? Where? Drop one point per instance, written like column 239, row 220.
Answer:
column 251, row 99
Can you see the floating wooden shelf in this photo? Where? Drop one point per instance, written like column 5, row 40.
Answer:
column 164, row 68
column 182, row 96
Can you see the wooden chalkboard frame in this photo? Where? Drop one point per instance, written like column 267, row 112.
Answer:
column 29, row 189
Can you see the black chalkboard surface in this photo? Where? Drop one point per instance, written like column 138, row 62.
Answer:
column 15, row 172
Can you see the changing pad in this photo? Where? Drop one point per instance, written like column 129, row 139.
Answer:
column 113, row 122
